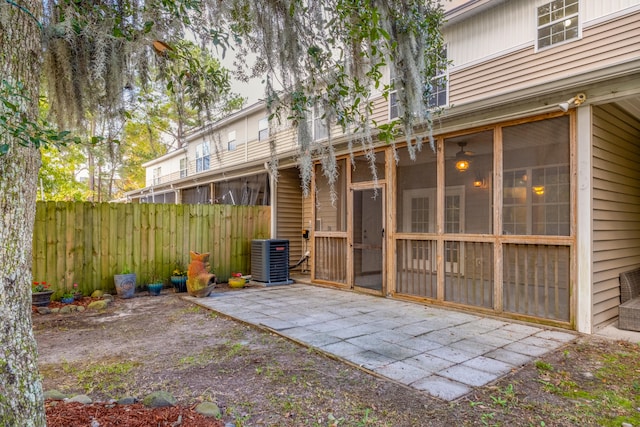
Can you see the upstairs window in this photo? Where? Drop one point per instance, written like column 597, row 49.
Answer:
column 202, row 157
column 156, row 176
column 557, row 22
column 317, row 122
column 263, row 129
column 231, row 141
column 439, row 82
column 439, row 87
column 393, row 96
column 183, row 167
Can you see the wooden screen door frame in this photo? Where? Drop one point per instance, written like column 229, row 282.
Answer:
column 367, row 228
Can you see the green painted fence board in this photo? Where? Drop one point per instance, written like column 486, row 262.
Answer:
column 87, row 243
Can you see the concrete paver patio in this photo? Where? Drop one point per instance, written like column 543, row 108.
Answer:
column 444, row 353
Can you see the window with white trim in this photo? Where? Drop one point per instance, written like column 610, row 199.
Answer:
column 557, row 22
column 439, row 87
column 203, row 152
column 317, row 122
column 263, row 129
column 393, row 96
column 231, row 141
column 156, row 176
column 439, row 82
column 184, row 164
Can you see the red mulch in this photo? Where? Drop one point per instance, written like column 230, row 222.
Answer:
column 102, row 414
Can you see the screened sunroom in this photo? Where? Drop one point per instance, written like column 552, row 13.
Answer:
column 485, row 222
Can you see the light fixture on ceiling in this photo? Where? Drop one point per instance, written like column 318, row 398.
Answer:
column 576, row 100
column 538, row 190
column 479, row 182
column 462, row 159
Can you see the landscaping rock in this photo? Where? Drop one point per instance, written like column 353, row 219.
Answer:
column 44, row 310
column 66, row 309
column 55, row 310
column 54, row 395
column 98, row 305
column 97, row 294
column 128, row 400
column 209, row 409
column 81, row 398
column 159, row 399
column 108, row 297
column 80, row 308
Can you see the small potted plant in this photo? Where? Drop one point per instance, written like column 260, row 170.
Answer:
column 125, row 283
column 77, row 294
column 40, row 294
column 155, row 285
column 179, row 278
column 67, row 297
column 237, row 281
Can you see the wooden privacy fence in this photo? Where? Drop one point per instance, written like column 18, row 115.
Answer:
column 87, row 243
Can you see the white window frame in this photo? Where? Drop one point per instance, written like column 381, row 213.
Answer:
column 184, row 167
column 393, row 97
column 564, row 21
column 531, row 201
column 439, row 89
column 232, row 143
column 430, row 195
column 157, row 173
column 263, row 129
column 203, row 153
column 316, row 122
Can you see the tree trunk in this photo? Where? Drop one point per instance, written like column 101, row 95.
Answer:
column 21, row 399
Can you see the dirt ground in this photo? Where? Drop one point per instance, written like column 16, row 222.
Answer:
column 258, row 378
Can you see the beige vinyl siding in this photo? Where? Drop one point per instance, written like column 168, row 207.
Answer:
column 498, row 29
column 616, row 206
column 259, row 149
column 602, row 46
column 289, row 223
column 307, row 224
column 380, row 112
column 509, row 24
column 594, row 9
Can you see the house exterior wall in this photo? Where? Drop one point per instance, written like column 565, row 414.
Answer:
column 497, row 79
column 602, row 46
column 169, row 167
column 511, row 25
column 492, row 53
column 616, row 206
column 289, row 222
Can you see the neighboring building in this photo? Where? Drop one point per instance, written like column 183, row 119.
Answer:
column 528, row 209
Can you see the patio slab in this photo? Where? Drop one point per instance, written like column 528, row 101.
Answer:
column 441, row 352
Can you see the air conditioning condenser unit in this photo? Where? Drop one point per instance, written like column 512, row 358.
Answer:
column 270, row 262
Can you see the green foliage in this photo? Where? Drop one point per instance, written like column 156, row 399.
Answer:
column 333, row 60
column 611, row 398
column 193, row 76
column 102, row 377
column 16, row 122
column 543, row 366
column 57, row 176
